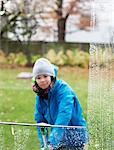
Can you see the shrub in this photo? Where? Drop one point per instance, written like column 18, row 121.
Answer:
column 82, row 59
column 34, row 58
column 11, row 58
column 61, row 58
column 17, row 59
column 51, row 55
column 3, row 59
column 70, row 58
column 56, row 58
column 21, row 59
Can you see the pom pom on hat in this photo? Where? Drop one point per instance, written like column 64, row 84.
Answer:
column 43, row 67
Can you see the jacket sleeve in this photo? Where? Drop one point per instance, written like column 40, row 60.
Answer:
column 38, row 111
column 66, row 103
column 39, row 118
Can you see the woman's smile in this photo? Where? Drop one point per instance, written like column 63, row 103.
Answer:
column 43, row 81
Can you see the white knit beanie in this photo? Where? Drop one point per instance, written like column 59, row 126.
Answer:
column 43, row 67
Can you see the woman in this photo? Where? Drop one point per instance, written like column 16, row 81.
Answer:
column 57, row 104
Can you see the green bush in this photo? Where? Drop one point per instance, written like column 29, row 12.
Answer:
column 17, row 59
column 56, row 58
column 82, row 59
column 21, row 59
column 11, row 58
column 70, row 58
column 60, row 58
column 3, row 59
column 34, row 58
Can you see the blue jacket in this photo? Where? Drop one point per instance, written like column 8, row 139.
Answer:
column 61, row 108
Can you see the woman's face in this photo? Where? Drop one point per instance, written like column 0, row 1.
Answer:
column 43, row 81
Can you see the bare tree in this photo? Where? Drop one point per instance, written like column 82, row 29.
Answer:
column 52, row 19
column 57, row 15
column 19, row 22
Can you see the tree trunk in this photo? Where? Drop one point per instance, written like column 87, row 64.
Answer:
column 61, row 24
column 28, row 53
column 61, row 29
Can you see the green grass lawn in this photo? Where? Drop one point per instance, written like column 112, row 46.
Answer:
column 17, row 102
